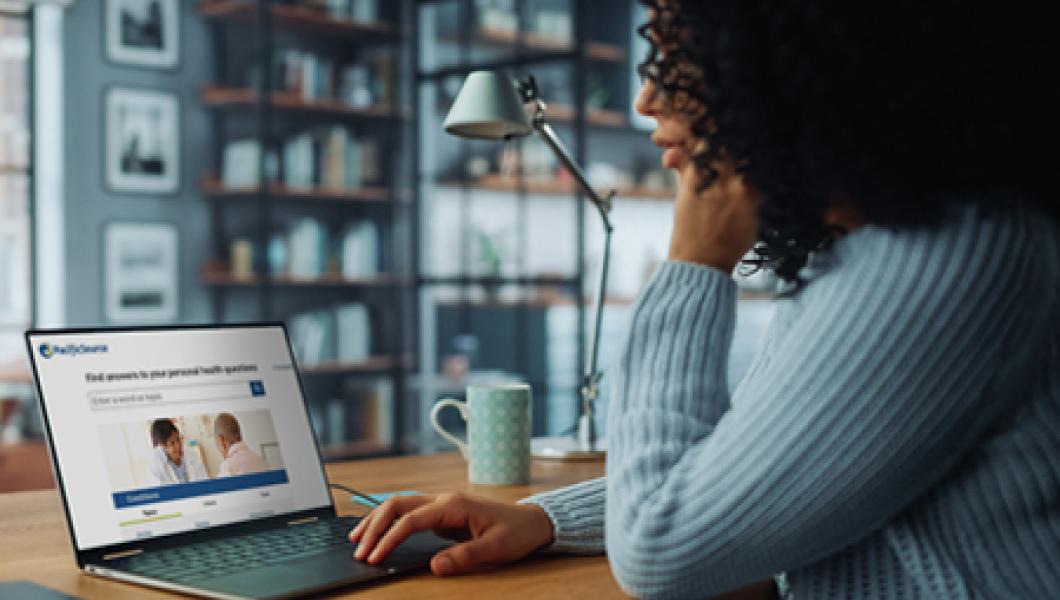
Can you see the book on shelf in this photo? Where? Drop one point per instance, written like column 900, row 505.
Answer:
column 354, row 333
column 331, row 158
column 312, row 337
column 496, row 15
column 365, row 82
column 342, row 160
column 306, row 252
column 361, row 415
column 360, row 250
column 342, row 334
column 371, row 410
column 298, row 171
column 241, row 164
column 362, row 11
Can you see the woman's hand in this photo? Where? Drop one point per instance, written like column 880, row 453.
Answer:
column 717, row 226
column 493, row 532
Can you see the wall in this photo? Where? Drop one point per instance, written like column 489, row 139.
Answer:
column 88, row 204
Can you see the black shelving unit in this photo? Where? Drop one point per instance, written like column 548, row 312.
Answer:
column 246, row 36
column 592, row 49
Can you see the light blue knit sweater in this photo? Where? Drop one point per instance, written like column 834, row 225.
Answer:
column 897, row 437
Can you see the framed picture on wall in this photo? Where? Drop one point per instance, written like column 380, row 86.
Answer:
column 141, row 265
column 143, row 141
column 143, row 32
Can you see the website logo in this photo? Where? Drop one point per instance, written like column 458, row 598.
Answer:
column 51, row 350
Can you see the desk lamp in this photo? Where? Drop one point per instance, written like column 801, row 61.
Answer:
column 490, row 106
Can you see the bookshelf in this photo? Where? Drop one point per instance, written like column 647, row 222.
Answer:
column 308, row 199
column 246, row 98
column 300, row 19
column 212, row 188
column 513, row 185
column 535, row 42
column 582, row 54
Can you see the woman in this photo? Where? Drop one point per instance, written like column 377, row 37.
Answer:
column 899, row 434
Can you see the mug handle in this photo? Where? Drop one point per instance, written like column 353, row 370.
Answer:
column 462, row 407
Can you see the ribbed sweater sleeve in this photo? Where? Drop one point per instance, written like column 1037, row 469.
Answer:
column 882, row 380
column 577, row 513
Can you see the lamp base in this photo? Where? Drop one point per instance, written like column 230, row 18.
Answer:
column 564, row 449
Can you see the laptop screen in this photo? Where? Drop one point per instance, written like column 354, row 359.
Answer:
column 163, row 431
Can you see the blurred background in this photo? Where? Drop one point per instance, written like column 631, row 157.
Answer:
column 177, row 161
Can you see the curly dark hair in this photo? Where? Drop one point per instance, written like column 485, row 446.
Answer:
column 900, row 109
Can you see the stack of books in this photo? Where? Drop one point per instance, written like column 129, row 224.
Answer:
column 342, row 334
column 362, row 11
column 330, row 158
column 368, row 81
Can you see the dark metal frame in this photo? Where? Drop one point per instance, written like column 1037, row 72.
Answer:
column 521, row 58
column 264, row 288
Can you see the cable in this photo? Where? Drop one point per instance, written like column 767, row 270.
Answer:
column 359, row 494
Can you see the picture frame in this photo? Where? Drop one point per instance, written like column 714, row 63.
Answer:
column 141, row 265
column 142, row 141
column 144, row 33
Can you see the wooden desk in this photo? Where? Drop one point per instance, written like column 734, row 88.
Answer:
column 35, row 544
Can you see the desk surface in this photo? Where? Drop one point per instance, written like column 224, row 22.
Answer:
column 35, row 544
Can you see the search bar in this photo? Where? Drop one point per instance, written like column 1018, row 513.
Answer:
column 176, row 394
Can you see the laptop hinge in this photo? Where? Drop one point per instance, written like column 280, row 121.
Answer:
column 302, row 521
column 132, row 552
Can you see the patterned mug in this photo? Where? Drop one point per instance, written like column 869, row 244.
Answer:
column 498, row 429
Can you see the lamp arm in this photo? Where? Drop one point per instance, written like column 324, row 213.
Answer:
column 590, row 386
column 602, row 203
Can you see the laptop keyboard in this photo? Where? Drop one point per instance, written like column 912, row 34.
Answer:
column 241, row 553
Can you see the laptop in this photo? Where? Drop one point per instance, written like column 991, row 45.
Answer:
column 186, row 461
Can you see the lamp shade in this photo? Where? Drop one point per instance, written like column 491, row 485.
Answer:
column 487, row 107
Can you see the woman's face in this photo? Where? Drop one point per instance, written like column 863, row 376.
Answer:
column 673, row 129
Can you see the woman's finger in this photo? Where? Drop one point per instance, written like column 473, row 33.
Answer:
column 406, row 504
column 380, row 520
column 355, row 535
column 436, row 515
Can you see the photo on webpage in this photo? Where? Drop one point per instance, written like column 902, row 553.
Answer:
column 185, row 456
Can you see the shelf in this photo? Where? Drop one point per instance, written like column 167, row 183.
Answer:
column 213, row 188
column 359, row 449
column 226, row 97
column 602, row 52
column 528, row 281
column 220, row 278
column 301, row 18
column 593, row 116
column 374, row 365
column 498, row 183
column 541, row 302
column 495, row 38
